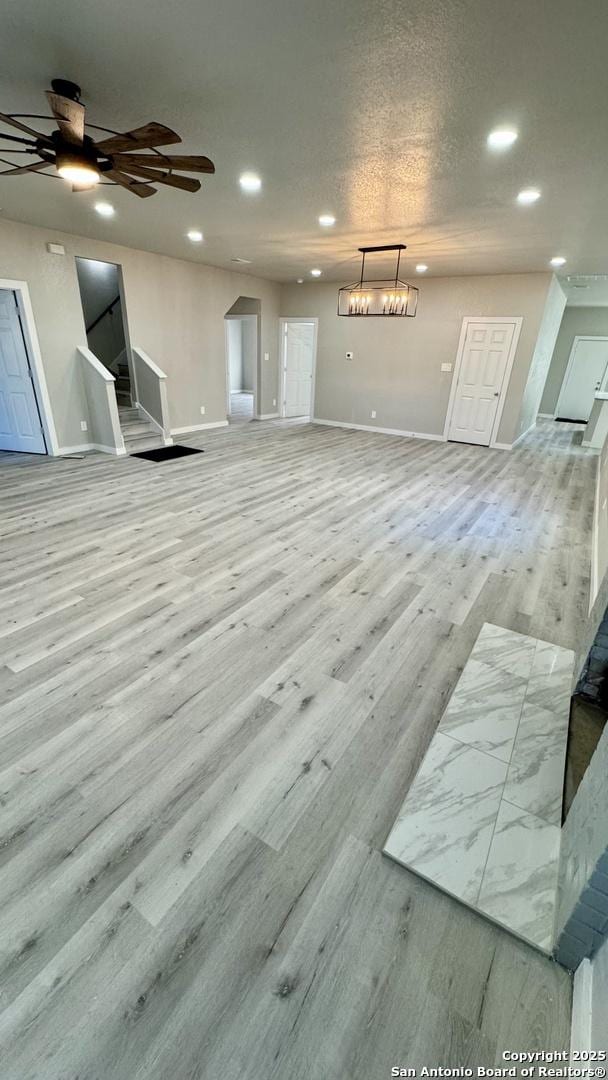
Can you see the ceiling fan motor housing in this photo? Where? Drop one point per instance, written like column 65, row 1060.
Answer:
column 66, row 89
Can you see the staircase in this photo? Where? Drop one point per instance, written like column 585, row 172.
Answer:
column 123, row 383
column 138, row 434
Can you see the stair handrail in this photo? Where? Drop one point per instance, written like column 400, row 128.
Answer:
column 151, row 391
column 105, row 311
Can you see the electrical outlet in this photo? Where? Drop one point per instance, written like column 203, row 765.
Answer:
column 83, row 425
column 202, row 410
column 446, row 367
column 373, row 414
column 55, row 249
column 349, row 355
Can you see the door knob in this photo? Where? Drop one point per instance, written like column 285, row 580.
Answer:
column 497, row 393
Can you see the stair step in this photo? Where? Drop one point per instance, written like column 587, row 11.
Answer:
column 145, row 442
column 137, row 427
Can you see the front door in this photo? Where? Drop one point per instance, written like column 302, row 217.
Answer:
column 480, row 380
column 298, row 364
column 20, row 426
column 586, row 370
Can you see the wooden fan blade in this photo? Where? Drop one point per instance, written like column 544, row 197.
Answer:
column 35, row 167
column 143, row 190
column 69, row 116
column 183, row 162
column 28, row 130
column 184, row 183
column 139, row 139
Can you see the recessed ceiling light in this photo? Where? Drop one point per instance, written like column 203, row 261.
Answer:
column 501, row 138
column 421, row 268
column 327, row 220
column 195, row 236
column 528, row 196
column 250, row 182
column 105, row 209
column 316, row 273
column 300, row 281
column 558, row 260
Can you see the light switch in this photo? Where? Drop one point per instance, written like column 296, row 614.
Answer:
column 446, row 367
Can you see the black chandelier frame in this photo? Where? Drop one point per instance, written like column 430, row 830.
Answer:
column 378, row 297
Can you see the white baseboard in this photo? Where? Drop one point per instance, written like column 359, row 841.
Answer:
column 379, row 430
column 266, row 416
column 117, row 451
column 501, row 446
column 199, row 427
column 546, row 416
column 523, row 435
column 582, row 1004
column 75, row 449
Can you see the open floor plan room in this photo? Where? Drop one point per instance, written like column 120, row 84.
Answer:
column 214, row 697
column 303, row 538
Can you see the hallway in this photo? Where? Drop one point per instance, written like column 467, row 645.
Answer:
column 241, row 408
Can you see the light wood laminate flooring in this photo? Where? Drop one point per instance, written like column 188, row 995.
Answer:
column 219, row 675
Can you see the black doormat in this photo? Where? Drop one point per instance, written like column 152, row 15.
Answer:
column 164, row 453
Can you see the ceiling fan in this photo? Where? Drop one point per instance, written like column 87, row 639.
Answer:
column 116, row 159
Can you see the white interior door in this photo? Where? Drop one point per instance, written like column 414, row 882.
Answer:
column 485, row 356
column 585, row 374
column 20, row 426
column 298, row 364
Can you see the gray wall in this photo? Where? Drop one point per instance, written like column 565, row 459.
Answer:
column 576, row 320
column 541, row 359
column 250, row 350
column 175, row 311
column 582, row 908
column 396, row 369
column 234, row 332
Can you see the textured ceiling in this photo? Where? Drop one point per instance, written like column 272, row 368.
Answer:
column 376, row 112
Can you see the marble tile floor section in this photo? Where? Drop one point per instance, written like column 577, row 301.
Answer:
column 482, row 817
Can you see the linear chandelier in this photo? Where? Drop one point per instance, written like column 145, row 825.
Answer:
column 390, row 297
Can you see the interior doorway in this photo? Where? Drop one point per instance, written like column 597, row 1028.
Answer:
column 584, row 376
column 100, row 285
column 241, row 367
column 298, row 363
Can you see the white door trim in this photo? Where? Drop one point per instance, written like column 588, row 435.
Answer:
column 517, row 321
column 32, row 345
column 577, row 338
column 282, row 325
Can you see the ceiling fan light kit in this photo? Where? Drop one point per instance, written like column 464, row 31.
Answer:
column 388, row 297
column 77, row 158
